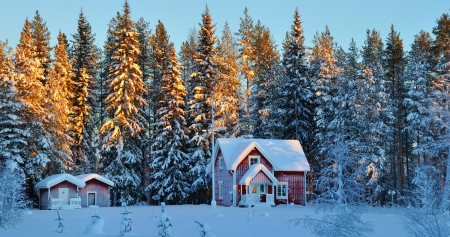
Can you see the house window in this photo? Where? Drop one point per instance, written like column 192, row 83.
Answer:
column 220, row 162
column 220, row 189
column 253, row 160
column 282, row 190
column 262, row 188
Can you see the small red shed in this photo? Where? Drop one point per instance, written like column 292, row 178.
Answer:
column 96, row 191
column 58, row 190
column 259, row 171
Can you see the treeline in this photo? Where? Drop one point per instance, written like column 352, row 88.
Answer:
column 139, row 113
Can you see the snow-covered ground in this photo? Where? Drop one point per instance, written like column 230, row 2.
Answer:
column 267, row 221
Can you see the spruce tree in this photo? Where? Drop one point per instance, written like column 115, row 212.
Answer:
column 227, row 89
column 169, row 165
column 84, row 60
column 199, row 107
column 121, row 155
column 296, row 97
column 41, row 37
column 187, row 58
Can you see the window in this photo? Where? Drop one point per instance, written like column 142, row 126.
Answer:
column 253, row 160
column 282, row 190
column 220, row 189
column 262, row 188
column 220, row 162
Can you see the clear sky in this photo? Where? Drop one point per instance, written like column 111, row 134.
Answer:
column 346, row 18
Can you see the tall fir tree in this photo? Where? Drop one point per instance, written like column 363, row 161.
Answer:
column 245, row 36
column 41, row 37
column 187, row 57
column 85, row 64
column 121, row 154
column 227, row 89
column 296, row 98
column 169, row 165
column 199, row 107
column 394, row 64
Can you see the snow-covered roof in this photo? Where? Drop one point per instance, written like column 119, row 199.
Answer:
column 284, row 155
column 87, row 177
column 253, row 170
column 58, row 178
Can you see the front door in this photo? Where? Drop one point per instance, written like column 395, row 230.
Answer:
column 63, row 193
column 258, row 191
column 91, row 199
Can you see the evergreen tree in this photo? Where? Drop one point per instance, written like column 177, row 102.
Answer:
column 41, row 37
column 199, row 107
column 394, row 64
column 31, row 92
column 227, row 89
column 187, row 57
column 170, row 163
column 121, row 154
column 245, row 40
column 296, row 97
column 84, row 63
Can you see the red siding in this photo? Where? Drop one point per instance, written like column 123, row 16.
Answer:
column 295, row 185
column 43, row 199
column 54, row 193
column 261, row 178
column 101, row 191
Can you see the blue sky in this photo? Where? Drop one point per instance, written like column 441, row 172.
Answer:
column 346, row 18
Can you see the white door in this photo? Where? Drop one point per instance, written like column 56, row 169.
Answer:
column 257, row 190
column 63, row 193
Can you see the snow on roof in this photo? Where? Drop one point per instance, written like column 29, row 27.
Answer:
column 253, row 170
column 58, row 178
column 284, row 155
column 87, row 177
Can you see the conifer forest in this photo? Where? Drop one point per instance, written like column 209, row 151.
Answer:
column 139, row 111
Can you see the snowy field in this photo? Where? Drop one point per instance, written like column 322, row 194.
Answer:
column 267, row 221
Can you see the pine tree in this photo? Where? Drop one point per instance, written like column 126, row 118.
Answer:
column 296, row 97
column 170, row 163
column 227, row 89
column 187, row 58
column 59, row 94
column 245, row 63
column 199, row 107
column 31, row 92
column 266, row 68
column 84, row 60
column 394, row 64
column 121, row 154
column 41, row 37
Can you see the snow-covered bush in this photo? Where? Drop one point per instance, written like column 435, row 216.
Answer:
column 12, row 198
column 126, row 226
column 429, row 217
column 203, row 228
column 96, row 225
column 164, row 225
column 61, row 225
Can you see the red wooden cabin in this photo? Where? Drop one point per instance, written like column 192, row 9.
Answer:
column 259, row 171
column 96, row 191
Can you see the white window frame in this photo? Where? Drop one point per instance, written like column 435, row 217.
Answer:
column 281, row 184
column 220, row 190
column 258, row 160
column 220, row 162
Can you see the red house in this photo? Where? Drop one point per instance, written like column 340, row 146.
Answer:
column 68, row 191
column 259, row 171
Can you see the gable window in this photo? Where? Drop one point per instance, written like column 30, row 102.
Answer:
column 253, row 160
column 220, row 189
column 220, row 162
column 282, row 190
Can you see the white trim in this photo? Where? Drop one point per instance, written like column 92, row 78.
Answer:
column 221, row 161
column 258, row 160
column 285, row 191
column 220, row 190
column 234, row 188
column 95, row 198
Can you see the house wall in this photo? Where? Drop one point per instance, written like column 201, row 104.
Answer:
column 243, row 167
column 43, row 199
column 295, row 185
column 226, row 177
column 43, row 195
column 102, row 193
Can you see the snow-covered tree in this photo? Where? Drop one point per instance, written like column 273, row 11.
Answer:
column 164, row 224
column 202, row 82
column 41, row 37
column 84, row 55
column 187, row 57
column 12, row 196
column 126, row 224
column 169, row 163
column 227, row 89
column 121, row 154
column 294, row 106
